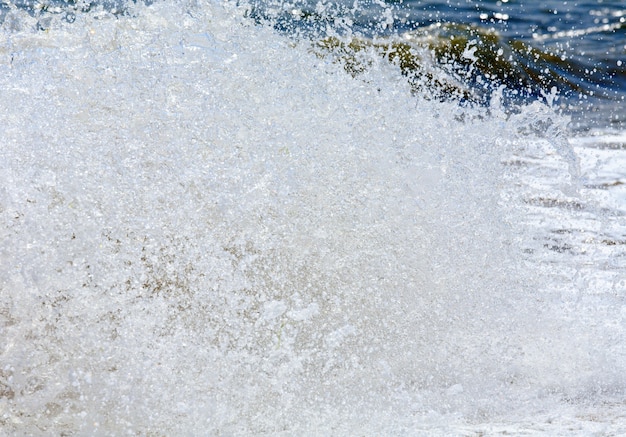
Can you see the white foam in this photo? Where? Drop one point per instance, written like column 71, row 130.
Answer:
column 208, row 229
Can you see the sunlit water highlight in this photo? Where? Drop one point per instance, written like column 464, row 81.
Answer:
column 210, row 229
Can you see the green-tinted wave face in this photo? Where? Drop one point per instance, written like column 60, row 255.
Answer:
column 483, row 57
column 414, row 60
column 473, row 62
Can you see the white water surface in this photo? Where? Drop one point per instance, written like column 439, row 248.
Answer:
column 208, row 229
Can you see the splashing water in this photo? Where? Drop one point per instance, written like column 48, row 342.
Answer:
column 208, row 228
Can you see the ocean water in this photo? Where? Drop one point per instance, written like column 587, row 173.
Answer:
column 223, row 218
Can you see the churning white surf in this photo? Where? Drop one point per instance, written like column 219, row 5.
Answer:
column 208, row 229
